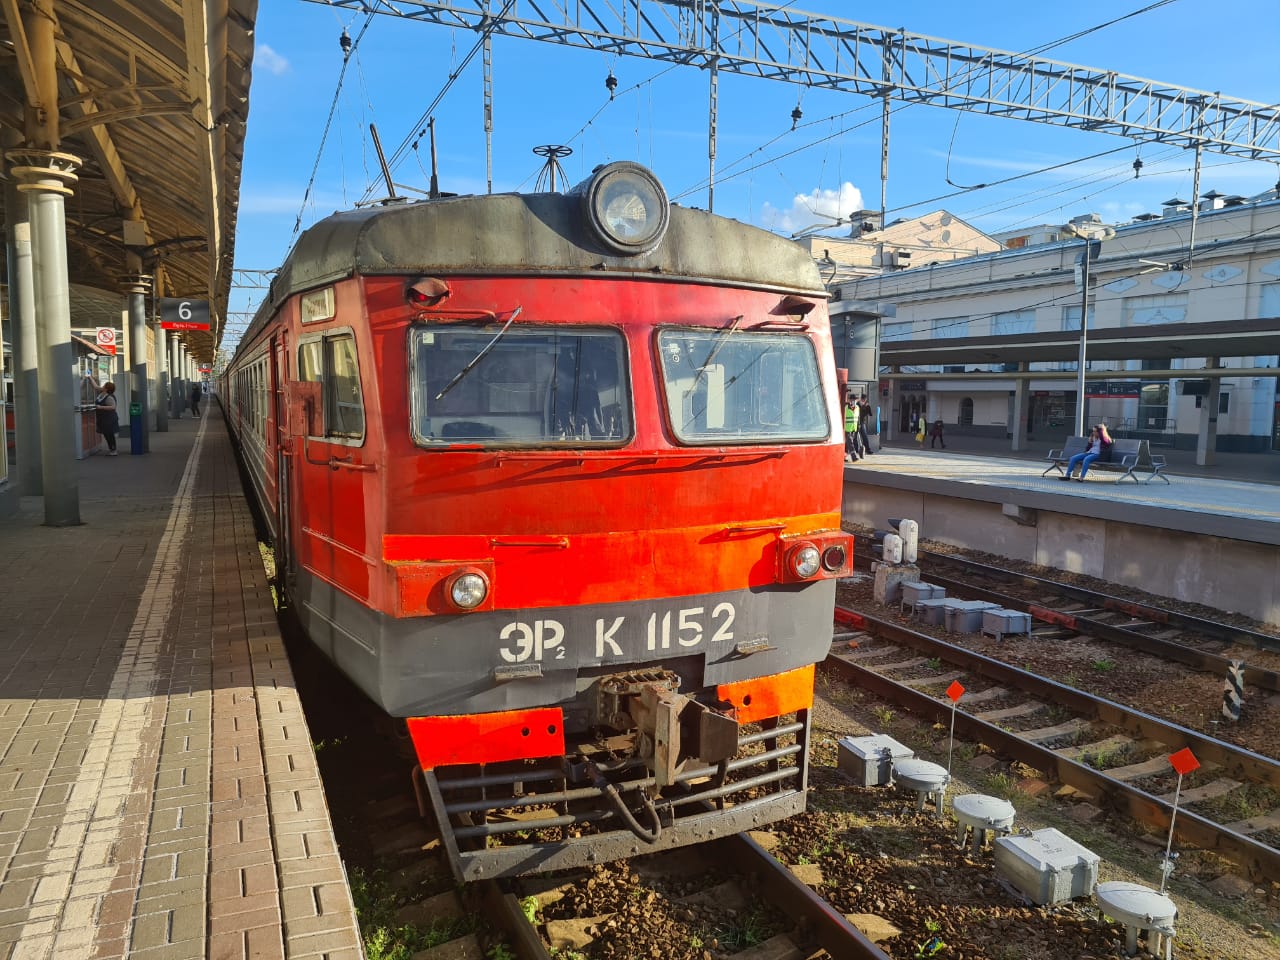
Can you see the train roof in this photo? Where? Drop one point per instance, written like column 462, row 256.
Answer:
column 544, row 233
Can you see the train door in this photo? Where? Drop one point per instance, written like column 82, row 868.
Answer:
column 284, row 457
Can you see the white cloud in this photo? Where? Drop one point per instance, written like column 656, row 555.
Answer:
column 269, row 60
column 819, row 208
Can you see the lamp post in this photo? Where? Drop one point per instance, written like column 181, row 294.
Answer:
column 1092, row 233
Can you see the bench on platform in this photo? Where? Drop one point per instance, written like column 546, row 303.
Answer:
column 1058, row 458
column 1128, row 458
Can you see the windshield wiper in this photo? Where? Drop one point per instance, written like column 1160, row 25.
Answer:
column 721, row 340
column 457, row 377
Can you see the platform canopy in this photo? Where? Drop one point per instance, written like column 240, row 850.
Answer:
column 152, row 98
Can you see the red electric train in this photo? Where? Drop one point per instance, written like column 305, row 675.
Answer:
column 556, row 478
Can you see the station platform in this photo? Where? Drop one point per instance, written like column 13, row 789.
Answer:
column 1201, row 537
column 159, row 794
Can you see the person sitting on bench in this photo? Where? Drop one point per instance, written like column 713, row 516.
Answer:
column 1099, row 449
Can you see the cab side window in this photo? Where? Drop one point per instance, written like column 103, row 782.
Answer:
column 331, row 361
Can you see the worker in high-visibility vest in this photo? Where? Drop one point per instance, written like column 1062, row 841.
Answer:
column 851, row 413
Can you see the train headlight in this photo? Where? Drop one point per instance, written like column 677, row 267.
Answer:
column 627, row 207
column 804, row 560
column 468, row 589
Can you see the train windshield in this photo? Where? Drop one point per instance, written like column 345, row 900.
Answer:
column 731, row 386
column 529, row 385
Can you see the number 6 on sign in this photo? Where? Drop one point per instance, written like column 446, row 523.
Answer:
column 176, row 314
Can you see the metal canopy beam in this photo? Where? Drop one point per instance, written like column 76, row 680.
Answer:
column 154, row 97
column 763, row 40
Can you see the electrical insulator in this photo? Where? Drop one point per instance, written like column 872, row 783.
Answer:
column 344, row 42
column 611, row 82
column 1137, row 167
column 796, row 114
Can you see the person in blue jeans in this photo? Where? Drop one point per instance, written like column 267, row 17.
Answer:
column 1099, row 448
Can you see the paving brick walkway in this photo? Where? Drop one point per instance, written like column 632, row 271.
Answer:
column 159, row 796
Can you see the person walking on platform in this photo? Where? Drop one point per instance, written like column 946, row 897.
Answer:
column 197, row 392
column 935, row 435
column 920, row 425
column 864, row 418
column 1099, row 448
column 850, row 430
column 108, row 418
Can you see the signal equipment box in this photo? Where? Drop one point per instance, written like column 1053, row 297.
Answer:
column 1047, row 866
column 997, row 623
column 965, row 616
column 868, row 760
column 914, row 591
column 933, row 611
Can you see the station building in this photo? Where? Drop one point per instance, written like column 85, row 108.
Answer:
column 1182, row 343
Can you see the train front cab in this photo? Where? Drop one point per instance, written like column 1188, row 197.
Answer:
column 599, row 619
column 676, row 716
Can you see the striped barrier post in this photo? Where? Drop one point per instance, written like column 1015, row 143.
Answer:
column 1233, row 692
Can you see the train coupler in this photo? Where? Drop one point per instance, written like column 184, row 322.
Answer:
column 670, row 728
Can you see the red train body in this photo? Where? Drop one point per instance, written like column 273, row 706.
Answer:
column 557, row 479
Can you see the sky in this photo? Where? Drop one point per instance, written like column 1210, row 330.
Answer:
column 309, row 152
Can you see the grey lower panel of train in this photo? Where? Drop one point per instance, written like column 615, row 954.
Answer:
column 510, row 660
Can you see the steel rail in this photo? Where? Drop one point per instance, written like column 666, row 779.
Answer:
column 1211, row 628
column 1172, row 650
column 834, row 933
column 1166, row 649
column 1260, row 861
column 503, row 909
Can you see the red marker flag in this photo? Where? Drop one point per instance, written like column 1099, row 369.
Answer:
column 955, row 691
column 1184, row 761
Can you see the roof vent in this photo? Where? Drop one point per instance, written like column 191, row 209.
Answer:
column 1213, row 200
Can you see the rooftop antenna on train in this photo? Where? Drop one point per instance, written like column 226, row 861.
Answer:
column 435, row 182
column 553, row 153
column 382, row 159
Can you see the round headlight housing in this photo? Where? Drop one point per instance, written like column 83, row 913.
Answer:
column 805, row 560
column 834, row 557
column 468, row 589
column 627, row 207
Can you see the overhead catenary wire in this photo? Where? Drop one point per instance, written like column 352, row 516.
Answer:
column 349, row 47
column 724, row 176
column 411, row 141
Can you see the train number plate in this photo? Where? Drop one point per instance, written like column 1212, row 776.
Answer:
column 627, row 637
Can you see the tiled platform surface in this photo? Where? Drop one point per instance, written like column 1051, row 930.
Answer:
column 159, row 795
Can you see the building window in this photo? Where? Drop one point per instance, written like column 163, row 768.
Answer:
column 1071, row 318
column 1015, row 321
column 950, row 327
column 966, row 411
column 897, row 331
column 1161, row 308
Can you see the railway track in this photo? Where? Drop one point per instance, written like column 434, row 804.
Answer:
column 1068, row 609
column 713, row 900
column 1080, row 728
column 729, row 896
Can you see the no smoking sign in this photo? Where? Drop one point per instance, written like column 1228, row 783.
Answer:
column 107, row 340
